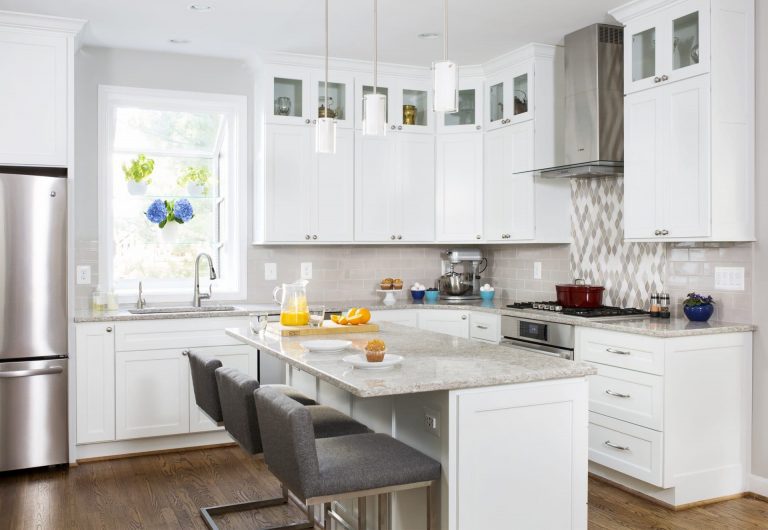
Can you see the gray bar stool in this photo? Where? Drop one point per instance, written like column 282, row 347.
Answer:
column 320, row 471
column 235, row 391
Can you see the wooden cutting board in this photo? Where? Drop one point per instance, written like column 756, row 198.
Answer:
column 328, row 328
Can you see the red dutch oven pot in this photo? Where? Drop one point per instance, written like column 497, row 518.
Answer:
column 580, row 295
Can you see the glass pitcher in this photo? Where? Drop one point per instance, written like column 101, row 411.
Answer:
column 294, row 310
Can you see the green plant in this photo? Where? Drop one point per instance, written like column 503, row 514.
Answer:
column 196, row 175
column 141, row 167
column 694, row 299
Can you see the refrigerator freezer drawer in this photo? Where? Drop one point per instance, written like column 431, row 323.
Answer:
column 33, row 414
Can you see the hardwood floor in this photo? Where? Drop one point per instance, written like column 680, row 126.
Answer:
column 165, row 491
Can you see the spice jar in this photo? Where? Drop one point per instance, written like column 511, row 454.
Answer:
column 664, row 305
column 655, row 305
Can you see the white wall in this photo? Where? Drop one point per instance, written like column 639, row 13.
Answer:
column 760, row 299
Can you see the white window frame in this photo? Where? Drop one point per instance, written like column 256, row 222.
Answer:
column 233, row 225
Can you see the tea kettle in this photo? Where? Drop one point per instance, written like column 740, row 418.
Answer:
column 294, row 310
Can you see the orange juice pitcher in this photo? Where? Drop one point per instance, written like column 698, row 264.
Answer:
column 294, row 310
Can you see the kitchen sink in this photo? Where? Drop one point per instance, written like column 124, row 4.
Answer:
column 181, row 309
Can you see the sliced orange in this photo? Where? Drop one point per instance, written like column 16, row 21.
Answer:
column 365, row 314
column 351, row 312
column 357, row 319
column 343, row 321
column 336, row 318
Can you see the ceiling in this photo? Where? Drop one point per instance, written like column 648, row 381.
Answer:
column 478, row 29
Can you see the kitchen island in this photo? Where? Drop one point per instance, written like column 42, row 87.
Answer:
column 509, row 426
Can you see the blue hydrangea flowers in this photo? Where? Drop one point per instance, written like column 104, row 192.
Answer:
column 161, row 212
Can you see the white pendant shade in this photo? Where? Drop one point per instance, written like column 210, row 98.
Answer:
column 446, row 86
column 374, row 114
column 325, row 136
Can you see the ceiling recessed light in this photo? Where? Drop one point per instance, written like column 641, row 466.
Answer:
column 178, row 41
column 428, row 35
column 200, row 7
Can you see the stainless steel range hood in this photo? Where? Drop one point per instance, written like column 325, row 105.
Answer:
column 594, row 104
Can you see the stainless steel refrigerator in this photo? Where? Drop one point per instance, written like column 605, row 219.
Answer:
column 33, row 317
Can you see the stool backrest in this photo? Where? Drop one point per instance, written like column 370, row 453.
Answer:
column 238, row 408
column 203, row 370
column 289, row 440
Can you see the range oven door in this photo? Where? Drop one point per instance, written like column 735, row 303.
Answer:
column 550, row 338
column 538, row 348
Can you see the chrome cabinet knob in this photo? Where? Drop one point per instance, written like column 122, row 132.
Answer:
column 657, row 79
column 185, row 352
column 307, row 121
column 314, row 122
column 314, row 236
column 399, row 236
column 463, row 317
column 109, row 330
column 399, row 127
column 478, row 236
column 477, row 127
column 665, row 232
column 657, row 233
column 665, row 77
column 392, row 237
column 392, row 127
column 306, row 236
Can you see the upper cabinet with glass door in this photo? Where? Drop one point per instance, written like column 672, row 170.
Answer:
column 409, row 103
column 288, row 94
column 338, row 103
column 509, row 96
column 469, row 117
column 667, row 45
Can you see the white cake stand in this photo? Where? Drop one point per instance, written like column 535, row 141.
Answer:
column 389, row 295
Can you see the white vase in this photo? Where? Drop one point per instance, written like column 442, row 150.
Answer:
column 169, row 233
column 136, row 188
column 195, row 190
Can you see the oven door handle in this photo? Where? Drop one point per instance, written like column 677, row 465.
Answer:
column 538, row 348
column 30, row 373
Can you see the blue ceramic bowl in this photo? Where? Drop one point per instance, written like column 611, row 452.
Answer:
column 432, row 296
column 699, row 313
column 417, row 295
column 487, row 295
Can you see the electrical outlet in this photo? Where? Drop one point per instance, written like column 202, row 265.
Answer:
column 270, row 271
column 729, row 278
column 83, row 275
column 432, row 421
column 306, row 270
column 537, row 270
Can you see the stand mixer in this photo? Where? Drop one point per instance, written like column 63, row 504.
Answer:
column 461, row 285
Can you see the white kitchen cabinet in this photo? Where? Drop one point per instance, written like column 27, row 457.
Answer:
column 510, row 96
column 288, row 96
column 341, row 91
column 35, row 94
column 459, row 174
column 405, row 317
column 401, row 92
column 667, row 45
column 454, row 323
column 151, row 393
column 243, row 358
column 95, row 382
column 308, row 196
column 485, row 327
column 469, row 117
column 394, row 188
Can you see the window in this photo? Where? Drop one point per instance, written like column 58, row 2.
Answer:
column 167, row 156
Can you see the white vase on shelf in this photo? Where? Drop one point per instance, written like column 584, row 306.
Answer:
column 169, row 233
column 196, row 190
column 136, row 188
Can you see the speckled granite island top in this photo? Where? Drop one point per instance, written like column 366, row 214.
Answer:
column 432, row 362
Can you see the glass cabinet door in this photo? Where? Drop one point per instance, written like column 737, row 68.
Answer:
column 685, row 41
column 521, row 101
column 288, row 97
column 339, row 101
column 643, row 54
column 686, row 51
column 496, row 103
column 414, row 109
column 469, row 116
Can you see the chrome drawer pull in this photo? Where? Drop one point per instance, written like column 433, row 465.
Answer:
column 479, row 326
column 619, row 447
column 616, row 394
column 618, row 352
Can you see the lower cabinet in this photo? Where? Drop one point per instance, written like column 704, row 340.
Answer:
column 404, row 317
column 474, row 325
column 454, row 323
column 95, row 374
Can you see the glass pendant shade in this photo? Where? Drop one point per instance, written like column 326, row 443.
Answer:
column 374, row 115
column 446, row 86
column 325, row 136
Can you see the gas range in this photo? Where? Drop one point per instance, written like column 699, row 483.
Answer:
column 604, row 312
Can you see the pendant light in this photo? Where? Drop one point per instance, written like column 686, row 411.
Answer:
column 325, row 139
column 446, row 75
column 375, row 104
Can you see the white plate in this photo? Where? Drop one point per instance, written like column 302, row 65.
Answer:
column 326, row 346
column 359, row 361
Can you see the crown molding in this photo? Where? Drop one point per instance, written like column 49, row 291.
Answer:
column 638, row 8
column 530, row 51
column 40, row 22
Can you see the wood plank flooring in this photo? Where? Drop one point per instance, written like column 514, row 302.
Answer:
column 165, row 491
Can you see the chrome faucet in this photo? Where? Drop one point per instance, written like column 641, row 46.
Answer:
column 140, row 302
column 197, row 297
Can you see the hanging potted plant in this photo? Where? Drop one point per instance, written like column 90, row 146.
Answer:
column 137, row 174
column 698, row 308
column 196, row 180
column 168, row 215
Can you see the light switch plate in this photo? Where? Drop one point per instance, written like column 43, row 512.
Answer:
column 537, row 270
column 270, row 271
column 729, row 278
column 83, row 275
column 306, row 270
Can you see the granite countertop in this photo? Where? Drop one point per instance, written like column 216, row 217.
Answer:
column 661, row 328
column 432, row 362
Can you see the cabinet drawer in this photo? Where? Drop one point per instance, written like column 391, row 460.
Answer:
column 623, row 350
column 627, row 395
column 181, row 333
column 404, row 317
column 454, row 323
column 625, row 447
column 484, row 326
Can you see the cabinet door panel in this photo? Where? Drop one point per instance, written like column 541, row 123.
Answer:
column 686, row 195
column 642, row 38
column 454, row 323
column 686, row 46
column 95, row 382
column 416, row 188
column 334, row 195
column 374, row 216
column 459, row 187
column 643, row 120
column 289, row 176
column 152, row 393
column 33, row 98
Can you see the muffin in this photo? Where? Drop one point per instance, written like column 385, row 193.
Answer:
column 374, row 351
column 386, row 284
column 397, row 284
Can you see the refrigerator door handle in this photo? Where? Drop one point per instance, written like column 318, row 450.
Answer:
column 29, row 373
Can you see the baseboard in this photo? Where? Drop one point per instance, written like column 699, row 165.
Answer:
column 146, row 446
column 758, row 486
